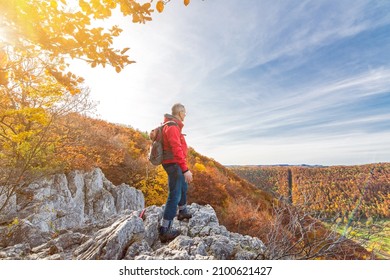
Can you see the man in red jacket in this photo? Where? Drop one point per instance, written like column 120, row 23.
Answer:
column 179, row 176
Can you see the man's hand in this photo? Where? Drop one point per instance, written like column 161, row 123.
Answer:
column 188, row 177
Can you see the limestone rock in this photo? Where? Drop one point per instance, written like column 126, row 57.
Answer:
column 22, row 232
column 203, row 238
column 9, row 210
column 84, row 216
column 63, row 202
column 112, row 243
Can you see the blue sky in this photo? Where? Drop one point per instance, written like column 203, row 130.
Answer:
column 264, row 82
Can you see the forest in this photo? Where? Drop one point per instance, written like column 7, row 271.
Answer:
column 334, row 191
column 353, row 200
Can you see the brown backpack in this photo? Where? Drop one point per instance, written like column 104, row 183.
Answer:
column 156, row 152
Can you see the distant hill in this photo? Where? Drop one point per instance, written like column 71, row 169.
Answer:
column 331, row 190
column 276, row 165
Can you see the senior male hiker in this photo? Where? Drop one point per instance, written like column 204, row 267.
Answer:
column 179, row 176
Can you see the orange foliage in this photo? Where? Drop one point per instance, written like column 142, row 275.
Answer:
column 331, row 191
column 120, row 151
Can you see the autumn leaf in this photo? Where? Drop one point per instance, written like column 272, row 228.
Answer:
column 124, row 50
column 3, row 65
column 136, row 18
column 3, row 59
column 160, row 6
column 186, row 2
column 54, row 4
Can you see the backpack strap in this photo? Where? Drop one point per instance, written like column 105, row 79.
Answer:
column 167, row 154
column 170, row 123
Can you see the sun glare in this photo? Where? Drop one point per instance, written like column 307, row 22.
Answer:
column 3, row 36
column 7, row 37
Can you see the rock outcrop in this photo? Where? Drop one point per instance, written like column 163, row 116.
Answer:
column 84, row 216
column 67, row 201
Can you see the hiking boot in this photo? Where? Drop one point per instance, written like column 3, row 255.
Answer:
column 168, row 234
column 183, row 215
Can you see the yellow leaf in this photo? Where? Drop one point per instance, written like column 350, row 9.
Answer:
column 186, row 2
column 118, row 69
column 3, row 78
column 124, row 50
column 84, row 5
column 135, row 18
column 146, row 6
column 160, row 6
column 3, row 59
column 54, row 4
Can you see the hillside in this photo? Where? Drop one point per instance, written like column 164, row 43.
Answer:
column 120, row 152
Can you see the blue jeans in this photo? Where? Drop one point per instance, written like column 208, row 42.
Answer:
column 177, row 193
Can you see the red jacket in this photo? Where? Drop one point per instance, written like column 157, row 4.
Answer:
column 174, row 143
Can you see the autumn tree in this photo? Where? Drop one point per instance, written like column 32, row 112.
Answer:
column 32, row 104
column 69, row 29
column 154, row 186
column 63, row 30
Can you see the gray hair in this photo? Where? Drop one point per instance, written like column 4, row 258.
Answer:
column 177, row 108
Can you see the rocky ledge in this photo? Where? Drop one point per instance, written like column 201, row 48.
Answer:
column 83, row 216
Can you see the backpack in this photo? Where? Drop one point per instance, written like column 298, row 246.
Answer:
column 156, row 153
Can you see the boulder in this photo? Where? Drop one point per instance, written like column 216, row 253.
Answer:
column 20, row 232
column 8, row 203
column 202, row 238
column 112, row 243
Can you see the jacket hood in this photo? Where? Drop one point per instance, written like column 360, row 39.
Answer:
column 169, row 117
